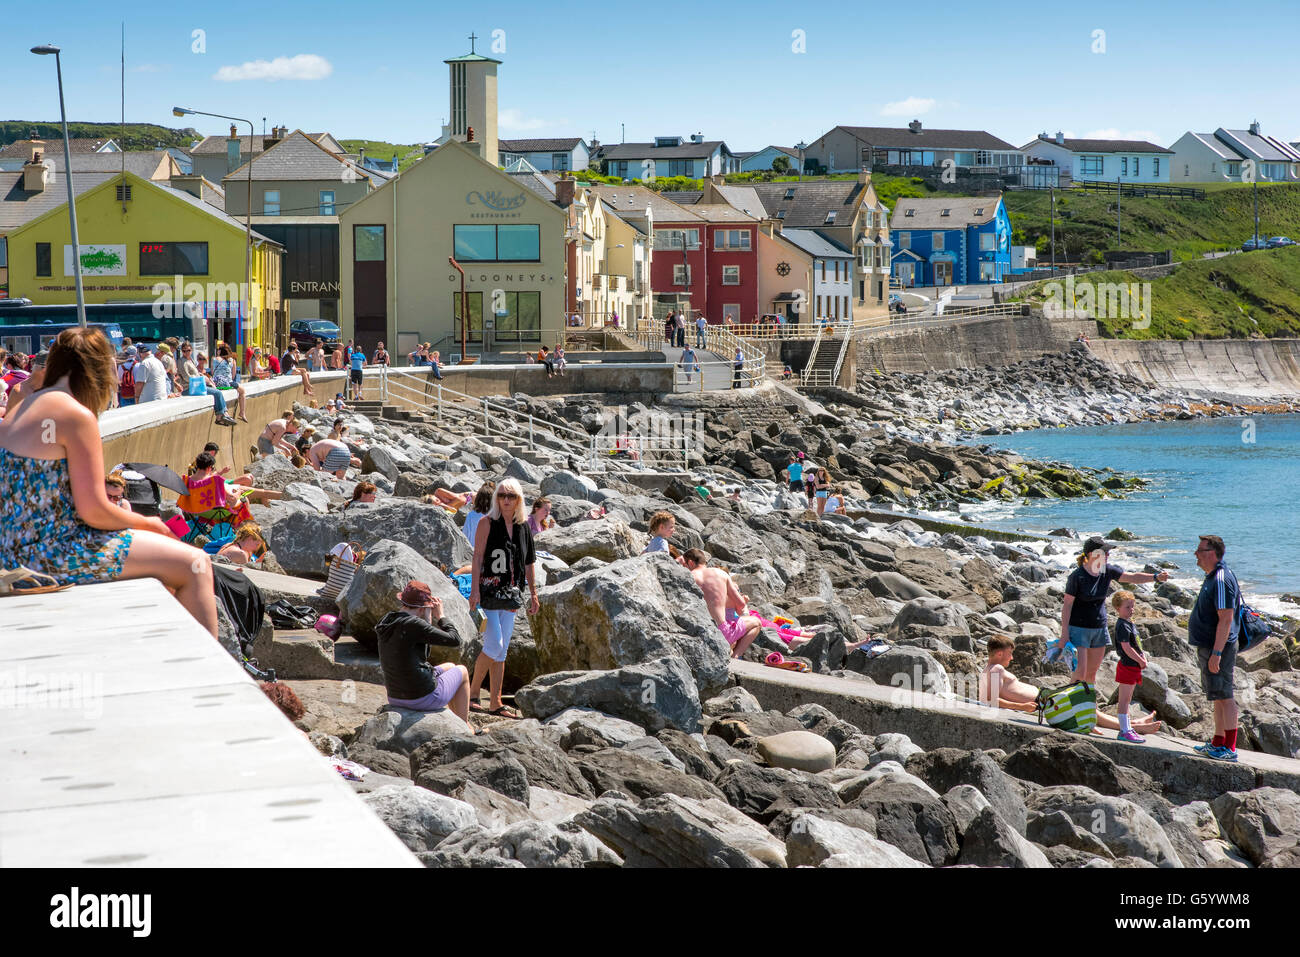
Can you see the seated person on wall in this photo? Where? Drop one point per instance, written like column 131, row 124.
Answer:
column 999, row 686
column 404, row 639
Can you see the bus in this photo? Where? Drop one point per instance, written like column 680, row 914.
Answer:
column 133, row 319
column 35, row 337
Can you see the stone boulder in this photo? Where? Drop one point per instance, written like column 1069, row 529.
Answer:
column 384, row 460
column 629, row 612
column 372, row 594
column 797, row 750
column 276, row 472
column 403, row 731
column 763, row 793
column 633, row 773
column 315, row 498
column 419, row 818
column 913, row 819
column 588, row 726
column 1064, row 758
column 732, row 700
column 1264, row 823
column 946, row 768
column 658, row 694
column 531, row 843
column 989, row 841
column 934, row 618
column 563, row 482
column 1125, row 829
column 907, row 669
column 673, row 831
column 607, row 539
column 1057, row 829
column 813, row 840
column 302, row 539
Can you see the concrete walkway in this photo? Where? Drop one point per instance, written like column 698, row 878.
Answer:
column 129, row 737
column 714, row 376
column 932, row 721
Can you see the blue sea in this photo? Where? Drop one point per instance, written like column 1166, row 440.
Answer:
column 1234, row 477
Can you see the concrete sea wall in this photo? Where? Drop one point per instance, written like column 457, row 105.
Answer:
column 967, row 344
column 1245, row 367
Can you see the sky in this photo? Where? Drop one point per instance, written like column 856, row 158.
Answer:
column 767, row 73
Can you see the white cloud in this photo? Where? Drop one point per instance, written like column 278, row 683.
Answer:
column 304, row 66
column 912, row 106
column 1113, row 133
column 512, row 119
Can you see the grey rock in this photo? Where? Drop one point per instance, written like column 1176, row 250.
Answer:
column 419, row 818
column 403, row 731
column 812, row 840
column 945, row 768
column 1264, row 823
column 566, row 483
column 608, row 539
column 1058, row 829
column 893, row 746
column 620, row 769
column 965, row 801
column 533, row 844
column 1064, row 758
column 309, row 495
column 798, row 751
column 934, row 618
column 762, row 793
column 372, row 594
column 658, row 694
column 491, row 808
column 588, row 726
column 913, row 819
column 907, row 669
column 1121, row 825
column 989, row 841
column 732, row 700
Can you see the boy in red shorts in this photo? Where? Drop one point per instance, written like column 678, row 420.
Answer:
column 1128, row 672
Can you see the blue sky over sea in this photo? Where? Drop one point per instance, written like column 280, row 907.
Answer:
column 760, row 73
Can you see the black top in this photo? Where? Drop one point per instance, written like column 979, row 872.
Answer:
column 404, row 642
column 1089, row 591
column 287, row 363
column 1126, row 632
column 506, row 555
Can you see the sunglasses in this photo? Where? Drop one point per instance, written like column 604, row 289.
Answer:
column 115, row 498
column 508, row 495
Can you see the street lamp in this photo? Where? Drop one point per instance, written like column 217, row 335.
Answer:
column 67, row 175
column 801, row 146
column 248, row 223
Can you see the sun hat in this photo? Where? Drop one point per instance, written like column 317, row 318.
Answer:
column 416, row 595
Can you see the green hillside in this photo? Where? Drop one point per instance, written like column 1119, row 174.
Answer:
column 381, row 150
column 136, row 136
column 1237, row 296
column 1085, row 222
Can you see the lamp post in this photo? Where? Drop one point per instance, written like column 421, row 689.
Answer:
column 45, row 50
column 801, row 146
column 247, row 304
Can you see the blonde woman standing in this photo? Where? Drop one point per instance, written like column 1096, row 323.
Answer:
column 502, row 567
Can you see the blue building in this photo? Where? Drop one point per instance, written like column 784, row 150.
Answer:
column 953, row 241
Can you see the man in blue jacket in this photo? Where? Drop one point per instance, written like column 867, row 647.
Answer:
column 1212, row 629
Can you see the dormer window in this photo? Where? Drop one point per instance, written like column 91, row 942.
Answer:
column 780, row 214
column 789, row 193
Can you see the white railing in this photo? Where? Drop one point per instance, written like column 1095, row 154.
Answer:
column 807, row 376
column 846, row 340
column 649, row 335
column 815, row 375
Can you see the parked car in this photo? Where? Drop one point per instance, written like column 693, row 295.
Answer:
column 305, row 332
column 1276, row 242
column 1252, row 244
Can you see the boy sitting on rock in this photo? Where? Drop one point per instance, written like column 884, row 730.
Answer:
column 1000, row 687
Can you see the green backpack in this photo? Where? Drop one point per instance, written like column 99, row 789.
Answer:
column 1072, row 708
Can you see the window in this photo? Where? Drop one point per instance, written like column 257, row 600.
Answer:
column 1137, row 166
column 327, row 202
column 173, row 259
column 1123, row 165
column 946, row 212
column 904, row 240
column 520, row 319
column 830, row 160
column 789, row 193
column 731, row 275
column 4, row 252
column 936, row 241
column 43, row 259
column 559, row 161
column 988, row 271
column 982, row 158
column 475, row 302
column 837, row 270
column 1233, row 168
column 681, row 275
column 1187, row 170
column 909, row 212
column 964, row 158
column 819, row 312
column 731, row 239
column 987, row 242
column 123, row 192
column 674, row 238
column 1090, row 165
column 1155, row 166
column 270, row 202
column 823, row 270
column 780, row 214
column 368, row 244
column 979, row 211
column 845, row 313
column 504, row 243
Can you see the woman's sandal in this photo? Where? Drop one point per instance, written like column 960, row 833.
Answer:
column 505, row 711
column 11, row 582
column 477, row 708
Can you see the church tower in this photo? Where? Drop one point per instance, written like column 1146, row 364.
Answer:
column 474, row 100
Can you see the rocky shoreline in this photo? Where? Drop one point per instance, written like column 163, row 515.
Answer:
column 694, row 772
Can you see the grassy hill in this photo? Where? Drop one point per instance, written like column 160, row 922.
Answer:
column 137, row 136
column 1085, row 222
column 381, row 150
column 1236, row 296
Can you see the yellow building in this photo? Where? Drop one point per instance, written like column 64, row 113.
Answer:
column 145, row 241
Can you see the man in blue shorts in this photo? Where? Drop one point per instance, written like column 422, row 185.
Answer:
column 357, row 361
column 1212, row 629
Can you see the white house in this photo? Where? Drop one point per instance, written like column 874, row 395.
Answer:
column 1130, row 161
column 1214, row 157
column 832, row 292
column 547, row 154
column 762, row 159
column 697, row 158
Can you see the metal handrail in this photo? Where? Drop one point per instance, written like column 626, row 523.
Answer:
column 718, row 340
column 846, row 331
column 805, row 377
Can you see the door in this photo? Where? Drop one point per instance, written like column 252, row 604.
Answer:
column 905, row 273
column 943, row 273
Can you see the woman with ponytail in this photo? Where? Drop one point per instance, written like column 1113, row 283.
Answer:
column 1083, row 612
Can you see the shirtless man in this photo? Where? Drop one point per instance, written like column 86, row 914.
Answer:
column 331, row 455
column 999, row 685
column 272, row 438
column 721, row 593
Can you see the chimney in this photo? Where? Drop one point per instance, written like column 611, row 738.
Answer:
column 564, row 192
column 864, row 176
column 233, row 151
column 191, row 183
column 914, row 126
column 1060, row 138
column 1254, row 128
column 469, row 134
column 37, row 173
column 38, row 151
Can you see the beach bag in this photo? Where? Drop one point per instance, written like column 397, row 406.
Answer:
column 285, row 615
column 329, row 626
column 1251, row 627
column 197, row 386
column 464, row 584
column 1072, row 708
column 343, row 560
column 126, row 386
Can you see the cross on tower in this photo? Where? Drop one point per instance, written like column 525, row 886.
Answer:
column 472, row 38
